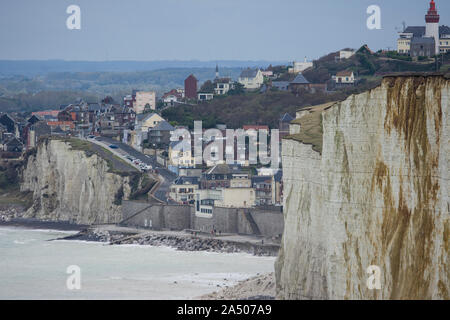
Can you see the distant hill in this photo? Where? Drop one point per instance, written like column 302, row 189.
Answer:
column 43, row 67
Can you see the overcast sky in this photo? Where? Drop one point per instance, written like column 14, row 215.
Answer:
column 201, row 29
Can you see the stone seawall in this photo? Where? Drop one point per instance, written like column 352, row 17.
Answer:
column 181, row 217
column 156, row 216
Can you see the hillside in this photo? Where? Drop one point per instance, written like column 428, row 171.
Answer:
column 368, row 65
column 250, row 108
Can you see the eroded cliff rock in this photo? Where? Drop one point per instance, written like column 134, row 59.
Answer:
column 74, row 185
column 375, row 192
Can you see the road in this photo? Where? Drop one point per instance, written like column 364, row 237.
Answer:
column 166, row 176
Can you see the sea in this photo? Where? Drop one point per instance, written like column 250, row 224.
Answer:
column 34, row 266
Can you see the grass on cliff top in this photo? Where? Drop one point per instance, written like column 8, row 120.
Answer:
column 116, row 165
column 311, row 131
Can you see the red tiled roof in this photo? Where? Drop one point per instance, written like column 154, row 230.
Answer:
column 344, row 74
column 256, row 127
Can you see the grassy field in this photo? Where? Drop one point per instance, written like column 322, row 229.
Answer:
column 116, row 164
column 311, row 127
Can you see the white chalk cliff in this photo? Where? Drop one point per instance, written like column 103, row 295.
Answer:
column 70, row 185
column 375, row 190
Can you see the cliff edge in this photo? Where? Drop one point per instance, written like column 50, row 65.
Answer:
column 70, row 182
column 369, row 187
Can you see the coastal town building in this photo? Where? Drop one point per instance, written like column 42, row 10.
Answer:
column 172, row 97
column 181, row 155
column 345, row 54
column 159, row 136
column 281, row 85
column 222, row 86
column 205, row 96
column 418, row 40
column 183, row 189
column 300, row 66
column 144, row 99
column 190, row 87
column 145, row 122
column 283, row 124
column 251, row 78
column 345, row 78
column 299, row 83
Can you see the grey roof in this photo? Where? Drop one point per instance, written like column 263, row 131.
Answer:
column 219, row 169
column 300, row 79
column 224, row 168
column 444, row 30
column 14, row 142
column 286, row 118
column 417, row 31
column 261, row 179
column 249, row 73
column 186, row 180
column 163, row 126
column 278, row 176
column 143, row 116
column 185, row 145
column 417, row 40
column 94, row 107
column 280, row 84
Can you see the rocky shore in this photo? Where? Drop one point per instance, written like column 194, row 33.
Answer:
column 184, row 242
column 11, row 215
column 10, row 211
column 261, row 287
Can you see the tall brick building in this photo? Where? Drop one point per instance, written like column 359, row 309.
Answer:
column 190, row 87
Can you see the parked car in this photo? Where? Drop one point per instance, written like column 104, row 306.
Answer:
column 113, row 146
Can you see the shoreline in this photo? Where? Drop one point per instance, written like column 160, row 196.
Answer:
column 42, row 225
column 179, row 240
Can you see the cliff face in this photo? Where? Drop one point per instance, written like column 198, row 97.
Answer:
column 71, row 185
column 377, row 192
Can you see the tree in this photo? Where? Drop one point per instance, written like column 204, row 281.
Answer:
column 238, row 89
column 148, row 108
column 207, row 87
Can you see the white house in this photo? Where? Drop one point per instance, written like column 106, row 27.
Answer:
column 205, row 96
column 222, row 86
column 171, row 97
column 345, row 54
column 147, row 121
column 300, row 66
column 251, row 78
column 345, row 77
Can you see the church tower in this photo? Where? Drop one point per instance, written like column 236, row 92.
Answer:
column 432, row 20
column 217, row 72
